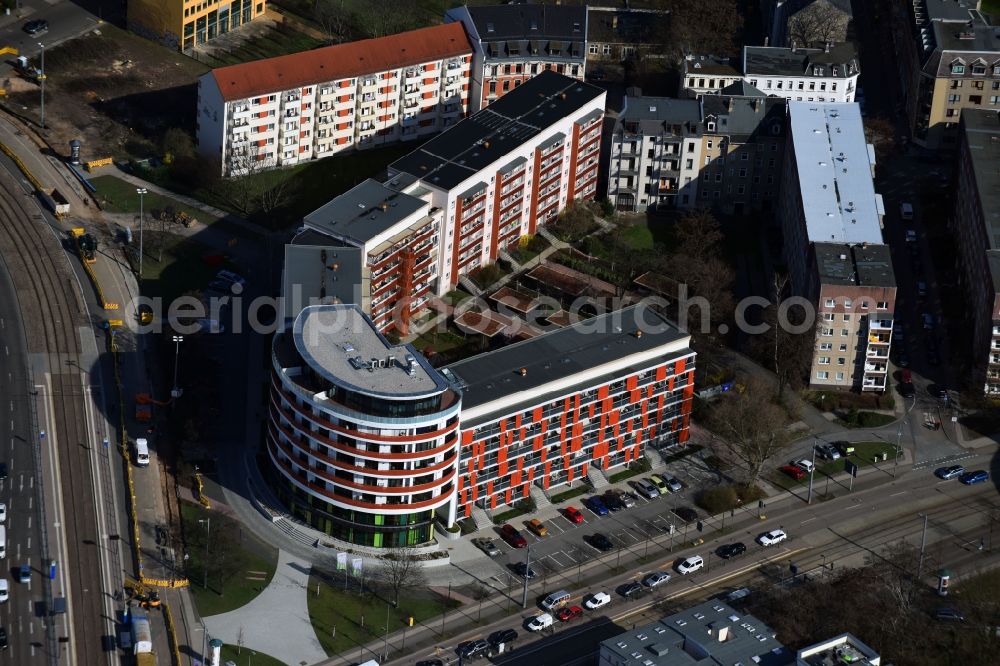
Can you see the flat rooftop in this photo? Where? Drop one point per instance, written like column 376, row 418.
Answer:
column 843, row 649
column 835, row 173
column 465, row 149
column 982, row 132
column 363, row 212
column 781, row 60
column 857, row 265
column 709, row 634
column 341, row 344
column 541, row 22
column 961, row 37
column 561, row 354
column 653, row 112
column 949, row 10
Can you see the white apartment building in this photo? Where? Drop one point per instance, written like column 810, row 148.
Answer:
column 304, row 106
column 831, row 220
column 452, row 204
column 708, row 74
column 656, row 153
column 803, row 75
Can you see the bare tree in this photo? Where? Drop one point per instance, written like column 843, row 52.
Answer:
column 818, row 24
column 706, row 26
column 881, row 133
column 698, row 262
column 386, row 17
column 336, row 18
column 401, row 570
column 245, row 185
column 788, row 345
column 751, row 427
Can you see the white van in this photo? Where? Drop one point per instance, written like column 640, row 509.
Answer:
column 4, row 589
column 556, row 600
column 141, row 452
column 3, row 542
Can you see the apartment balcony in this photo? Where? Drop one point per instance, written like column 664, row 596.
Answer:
column 882, row 354
column 880, row 324
column 876, row 368
column 879, row 339
column 873, row 384
column 289, row 99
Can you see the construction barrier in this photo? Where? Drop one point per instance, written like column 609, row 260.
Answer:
column 168, row 584
column 93, row 164
column 175, row 646
column 97, row 286
column 201, row 491
column 20, row 165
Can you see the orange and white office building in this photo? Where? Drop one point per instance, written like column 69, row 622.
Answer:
column 452, row 204
column 305, row 106
column 369, row 443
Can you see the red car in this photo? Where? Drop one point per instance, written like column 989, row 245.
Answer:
column 567, row 614
column 573, row 515
column 510, row 534
column 794, row 471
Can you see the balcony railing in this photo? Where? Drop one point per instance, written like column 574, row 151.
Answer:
column 880, row 324
column 877, row 368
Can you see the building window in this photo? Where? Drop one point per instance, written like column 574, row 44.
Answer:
column 957, row 68
column 824, row 360
column 607, row 49
column 978, row 68
column 689, row 164
column 741, row 189
column 950, row 113
column 825, row 346
column 843, row 347
column 822, row 375
column 827, row 332
column 847, row 317
column 976, row 99
column 994, row 99
column 864, row 305
column 830, row 303
column 743, row 173
column 848, row 302
column 882, row 305
column 844, row 332
column 840, row 376
column 593, row 49
column 827, row 316
column 841, row 360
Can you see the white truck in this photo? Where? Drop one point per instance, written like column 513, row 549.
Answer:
column 142, row 635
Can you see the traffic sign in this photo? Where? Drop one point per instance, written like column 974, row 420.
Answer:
column 851, row 468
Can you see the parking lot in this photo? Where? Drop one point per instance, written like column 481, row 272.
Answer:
column 642, row 530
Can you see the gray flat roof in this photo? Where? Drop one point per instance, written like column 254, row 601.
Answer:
column 949, row 10
column 529, row 22
column 835, row 173
column 463, row 150
column 858, row 265
column 780, row 60
column 709, row 634
column 329, row 337
column 308, row 277
column 982, row 133
column 958, row 37
column 561, row 354
column 656, row 110
column 363, row 212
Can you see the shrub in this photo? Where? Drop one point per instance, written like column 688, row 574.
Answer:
column 727, row 498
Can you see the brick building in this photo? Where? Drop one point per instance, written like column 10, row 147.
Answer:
column 305, row 106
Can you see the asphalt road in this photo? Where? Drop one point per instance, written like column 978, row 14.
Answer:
column 19, row 615
column 66, row 21
column 828, row 535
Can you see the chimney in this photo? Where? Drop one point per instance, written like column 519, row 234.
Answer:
column 767, row 40
column 614, row 21
column 827, row 47
column 793, row 46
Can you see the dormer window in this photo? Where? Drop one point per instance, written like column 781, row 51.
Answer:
column 978, row 68
column 996, row 70
column 835, row 71
column 711, row 125
column 957, row 68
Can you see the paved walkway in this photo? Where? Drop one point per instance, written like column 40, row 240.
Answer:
column 276, row 622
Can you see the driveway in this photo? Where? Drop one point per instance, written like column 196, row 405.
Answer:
column 277, row 621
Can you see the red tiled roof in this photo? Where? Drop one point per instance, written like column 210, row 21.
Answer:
column 341, row 61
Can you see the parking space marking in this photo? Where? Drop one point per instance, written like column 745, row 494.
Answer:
column 554, row 524
column 567, row 556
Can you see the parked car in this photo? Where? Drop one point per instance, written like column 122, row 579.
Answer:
column 827, row 452
column 36, row 27
column 573, row 515
column 472, row 649
column 979, row 476
column 794, row 471
column 567, row 614
column 672, row 484
column 502, row 636
column 646, row 488
column 537, row 527
column 510, row 534
column 3, row 638
column 921, row 289
column 949, row 472
column 731, row 550
column 685, row 513
column 539, row 622
column 24, row 574
column 523, row 570
column 3, row 470
column 845, row 448
column 598, row 600
column 627, row 499
column 230, row 276
column 3, row 511
column 661, row 486
column 601, row 542
column 4, row 590
column 907, row 390
column 948, row 615
column 488, row 546
column 772, row 538
column 806, row 465
column 938, row 391
column 632, row 590
column 656, row 579
column 596, row 506
column 613, row 501
column 691, row 564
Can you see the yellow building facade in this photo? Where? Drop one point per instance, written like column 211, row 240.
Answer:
column 184, row 24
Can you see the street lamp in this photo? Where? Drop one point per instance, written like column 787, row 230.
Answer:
column 178, row 339
column 41, row 83
column 141, row 191
column 208, row 539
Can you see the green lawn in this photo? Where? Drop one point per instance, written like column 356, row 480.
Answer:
column 280, row 41
column 990, row 6
column 337, row 615
column 119, row 196
column 183, row 266
column 867, row 420
column 247, row 657
column 439, row 342
column 239, row 568
column 864, row 456
column 569, row 494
